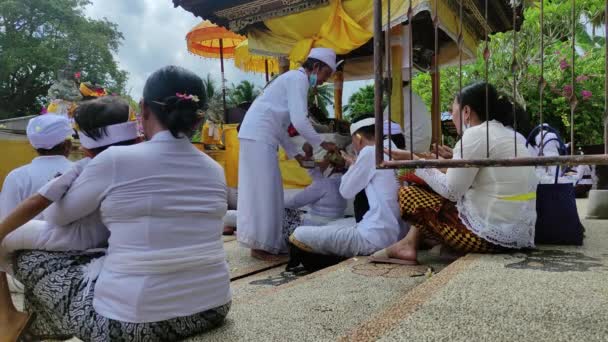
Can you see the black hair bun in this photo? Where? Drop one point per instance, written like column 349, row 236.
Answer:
column 177, row 97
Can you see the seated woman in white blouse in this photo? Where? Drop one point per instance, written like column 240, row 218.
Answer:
column 469, row 209
column 164, row 276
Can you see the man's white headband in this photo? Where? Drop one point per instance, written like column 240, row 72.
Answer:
column 363, row 123
column 115, row 133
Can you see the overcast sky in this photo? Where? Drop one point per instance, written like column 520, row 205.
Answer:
column 154, row 36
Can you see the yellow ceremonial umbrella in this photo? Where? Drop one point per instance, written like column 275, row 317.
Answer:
column 249, row 62
column 209, row 40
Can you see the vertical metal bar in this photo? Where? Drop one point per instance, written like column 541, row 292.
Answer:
column 409, row 70
column 514, row 69
column 266, row 70
column 606, row 79
column 542, row 83
column 223, row 80
column 573, row 100
column 378, row 78
column 486, row 56
column 436, row 90
column 460, row 38
column 389, row 74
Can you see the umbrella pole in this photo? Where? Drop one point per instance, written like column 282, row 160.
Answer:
column 223, row 80
column 266, row 69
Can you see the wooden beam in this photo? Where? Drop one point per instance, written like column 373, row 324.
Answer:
column 338, row 91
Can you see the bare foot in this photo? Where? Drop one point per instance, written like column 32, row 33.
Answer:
column 12, row 326
column 263, row 255
column 403, row 251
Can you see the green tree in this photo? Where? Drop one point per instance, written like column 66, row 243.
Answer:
column 321, row 97
column 211, row 88
column 502, row 67
column 243, row 92
column 40, row 37
column 361, row 102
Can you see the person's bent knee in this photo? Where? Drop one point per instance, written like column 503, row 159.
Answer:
column 293, row 239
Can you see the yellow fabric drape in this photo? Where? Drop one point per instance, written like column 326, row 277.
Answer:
column 347, row 24
column 294, row 177
column 232, row 155
column 212, row 134
column 339, row 32
column 15, row 153
column 249, row 62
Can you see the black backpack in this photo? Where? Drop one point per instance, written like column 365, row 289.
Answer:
column 531, row 140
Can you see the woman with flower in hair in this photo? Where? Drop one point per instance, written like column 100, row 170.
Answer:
column 164, row 276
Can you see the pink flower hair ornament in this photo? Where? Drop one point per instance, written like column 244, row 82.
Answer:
column 187, row 97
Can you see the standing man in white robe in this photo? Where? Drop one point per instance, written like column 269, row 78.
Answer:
column 284, row 101
column 50, row 135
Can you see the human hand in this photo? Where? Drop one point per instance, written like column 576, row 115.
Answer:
column 397, row 154
column 308, row 151
column 445, row 152
column 305, row 162
column 348, row 159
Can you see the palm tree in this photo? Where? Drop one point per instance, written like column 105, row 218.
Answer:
column 321, row 97
column 211, row 89
column 243, row 92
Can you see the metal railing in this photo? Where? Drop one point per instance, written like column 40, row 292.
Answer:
column 382, row 86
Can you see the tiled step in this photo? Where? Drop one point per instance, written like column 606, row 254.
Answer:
column 274, row 305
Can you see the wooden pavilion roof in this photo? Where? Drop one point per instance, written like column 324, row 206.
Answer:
column 239, row 15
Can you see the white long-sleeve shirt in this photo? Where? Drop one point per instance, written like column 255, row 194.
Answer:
column 421, row 122
column 283, row 102
column 155, row 196
column 381, row 226
column 496, row 203
column 24, row 181
column 323, row 196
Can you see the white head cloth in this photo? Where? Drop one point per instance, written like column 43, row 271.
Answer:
column 325, row 55
column 363, row 123
column 114, row 133
column 48, row 130
column 395, row 128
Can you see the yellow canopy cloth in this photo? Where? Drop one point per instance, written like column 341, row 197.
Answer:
column 345, row 25
column 249, row 62
column 339, row 32
column 204, row 40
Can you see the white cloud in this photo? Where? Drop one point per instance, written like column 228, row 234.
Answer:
column 154, row 36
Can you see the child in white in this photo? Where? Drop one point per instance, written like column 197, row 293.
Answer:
column 88, row 232
column 322, row 197
column 381, row 225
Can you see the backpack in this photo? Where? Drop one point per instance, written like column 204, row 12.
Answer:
column 531, row 140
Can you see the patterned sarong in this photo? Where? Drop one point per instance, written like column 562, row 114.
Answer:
column 55, row 292
column 437, row 218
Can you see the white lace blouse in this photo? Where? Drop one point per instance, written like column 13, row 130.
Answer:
column 496, row 203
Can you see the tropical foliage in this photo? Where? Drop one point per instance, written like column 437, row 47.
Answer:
column 587, row 85
column 321, row 98
column 361, row 102
column 38, row 38
column 241, row 93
